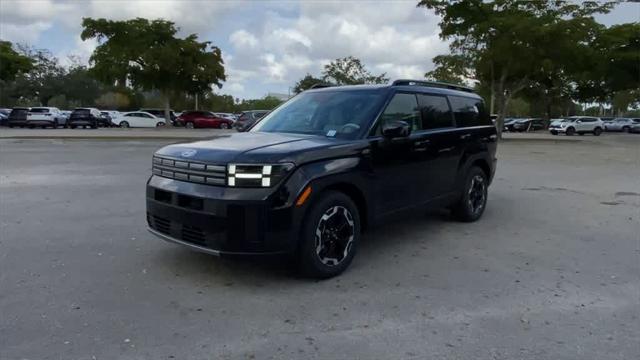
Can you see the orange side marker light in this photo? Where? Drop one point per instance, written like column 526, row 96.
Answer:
column 304, row 196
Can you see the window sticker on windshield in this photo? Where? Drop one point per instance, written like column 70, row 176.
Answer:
column 331, row 133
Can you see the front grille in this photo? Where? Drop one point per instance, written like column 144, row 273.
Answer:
column 193, row 234
column 161, row 224
column 189, row 171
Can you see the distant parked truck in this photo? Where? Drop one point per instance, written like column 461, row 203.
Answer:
column 45, row 117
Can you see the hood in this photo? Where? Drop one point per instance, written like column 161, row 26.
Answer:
column 254, row 147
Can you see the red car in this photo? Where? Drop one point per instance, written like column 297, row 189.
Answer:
column 203, row 119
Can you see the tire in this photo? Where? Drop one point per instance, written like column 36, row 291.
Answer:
column 570, row 131
column 160, row 124
column 473, row 201
column 224, row 126
column 625, row 129
column 95, row 125
column 597, row 131
column 554, row 133
column 190, row 125
column 55, row 124
column 124, row 124
column 325, row 251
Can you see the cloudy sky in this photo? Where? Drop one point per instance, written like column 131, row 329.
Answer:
column 267, row 45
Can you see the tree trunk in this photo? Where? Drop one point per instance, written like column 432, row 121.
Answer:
column 167, row 109
column 493, row 92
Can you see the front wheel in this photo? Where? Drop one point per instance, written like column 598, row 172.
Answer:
column 597, row 131
column 55, row 124
column 124, row 124
column 224, row 126
column 330, row 235
column 570, row 131
column 625, row 129
column 554, row 133
column 189, row 125
column 160, row 124
column 473, row 200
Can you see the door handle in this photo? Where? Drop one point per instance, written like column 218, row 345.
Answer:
column 465, row 136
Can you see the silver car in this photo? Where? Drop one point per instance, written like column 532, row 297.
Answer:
column 620, row 124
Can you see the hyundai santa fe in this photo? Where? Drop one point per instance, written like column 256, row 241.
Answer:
column 307, row 179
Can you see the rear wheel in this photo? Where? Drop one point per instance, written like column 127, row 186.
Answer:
column 570, row 131
column 473, row 201
column 189, row 125
column 55, row 124
column 224, row 126
column 597, row 131
column 625, row 129
column 124, row 124
column 330, row 235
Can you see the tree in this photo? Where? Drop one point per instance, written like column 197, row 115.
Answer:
column 350, row 71
column 12, row 63
column 506, row 43
column 149, row 56
column 43, row 81
column 305, row 83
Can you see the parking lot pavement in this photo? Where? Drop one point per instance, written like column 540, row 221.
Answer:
column 552, row 270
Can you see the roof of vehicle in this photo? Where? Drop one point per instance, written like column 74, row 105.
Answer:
column 20, row 108
column 406, row 85
column 86, row 108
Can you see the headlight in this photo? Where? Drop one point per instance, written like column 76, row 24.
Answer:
column 252, row 175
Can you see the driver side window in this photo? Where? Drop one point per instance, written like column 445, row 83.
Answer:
column 403, row 107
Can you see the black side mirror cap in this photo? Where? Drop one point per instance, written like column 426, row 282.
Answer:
column 396, row 129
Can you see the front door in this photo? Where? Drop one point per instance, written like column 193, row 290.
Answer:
column 397, row 162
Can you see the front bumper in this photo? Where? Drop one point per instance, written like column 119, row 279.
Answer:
column 221, row 220
column 558, row 129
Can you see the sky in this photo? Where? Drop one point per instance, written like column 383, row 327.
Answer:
column 267, row 45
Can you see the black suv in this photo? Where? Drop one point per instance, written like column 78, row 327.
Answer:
column 18, row 117
column 330, row 162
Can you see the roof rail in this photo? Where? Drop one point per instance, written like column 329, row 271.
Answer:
column 437, row 84
column 320, row 85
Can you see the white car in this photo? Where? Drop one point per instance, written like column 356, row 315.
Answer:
column 138, row 119
column 227, row 116
column 577, row 125
column 45, row 116
column 620, row 124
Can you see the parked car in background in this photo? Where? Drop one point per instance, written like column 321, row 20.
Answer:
column 203, row 119
column 578, row 125
column 635, row 128
column 4, row 116
column 620, row 124
column 229, row 116
column 159, row 113
column 66, row 114
column 139, row 119
column 112, row 115
column 508, row 124
column 528, row 125
column 83, row 117
column 18, row 117
column 45, row 117
column 248, row 118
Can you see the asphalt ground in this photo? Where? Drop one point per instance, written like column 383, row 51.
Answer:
column 552, row 270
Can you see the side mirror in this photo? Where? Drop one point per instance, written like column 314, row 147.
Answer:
column 579, row 122
column 396, row 129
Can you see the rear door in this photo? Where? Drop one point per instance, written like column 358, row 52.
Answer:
column 437, row 145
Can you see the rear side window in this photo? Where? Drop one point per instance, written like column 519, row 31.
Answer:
column 403, row 107
column 469, row 112
column 435, row 111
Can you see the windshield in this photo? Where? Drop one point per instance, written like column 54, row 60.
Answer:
column 39, row 110
column 327, row 113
